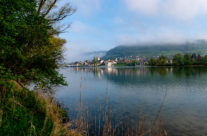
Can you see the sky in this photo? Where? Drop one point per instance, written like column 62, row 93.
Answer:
column 99, row 25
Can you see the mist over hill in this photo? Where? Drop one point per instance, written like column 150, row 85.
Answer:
column 95, row 53
column 150, row 50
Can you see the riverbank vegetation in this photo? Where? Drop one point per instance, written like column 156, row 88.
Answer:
column 131, row 63
column 179, row 60
column 25, row 112
column 30, row 51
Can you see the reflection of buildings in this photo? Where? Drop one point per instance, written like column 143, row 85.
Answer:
column 170, row 69
column 99, row 73
column 110, row 70
column 143, row 75
column 77, row 69
column 140, row 71
column 114, row 71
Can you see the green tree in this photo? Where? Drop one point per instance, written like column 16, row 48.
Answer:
column 29, row 52
column 178, row 60
column 153, row 62
column 193, row 57
column 162, row 61
column 134, row 62
column 95, row 61
column 187, row 59
column 48, row 9
column 204, row 60
column 28, row 46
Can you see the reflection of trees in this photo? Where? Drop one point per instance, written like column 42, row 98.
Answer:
column 144, row 75
column 162, row 71
column 97, row 72
column 128, row 76
column 180, row 72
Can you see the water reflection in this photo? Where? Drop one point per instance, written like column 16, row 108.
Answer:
column 148, row 75
column 162, row 71
column 131, row 90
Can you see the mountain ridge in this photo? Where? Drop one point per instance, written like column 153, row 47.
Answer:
column 156, row 49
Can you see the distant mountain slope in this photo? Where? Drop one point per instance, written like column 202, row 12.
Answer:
column 95, row 53
column 149, row 50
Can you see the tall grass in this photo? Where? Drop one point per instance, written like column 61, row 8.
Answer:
column 58, row 115
column 103, row 124
column 28, row 113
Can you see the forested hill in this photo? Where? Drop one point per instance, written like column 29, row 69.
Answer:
column 149, row 50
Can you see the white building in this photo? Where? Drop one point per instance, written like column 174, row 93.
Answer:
column 98, row 58
column 108, row 63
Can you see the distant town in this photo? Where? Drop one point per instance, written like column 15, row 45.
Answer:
column 97, row 61
column 176, row 60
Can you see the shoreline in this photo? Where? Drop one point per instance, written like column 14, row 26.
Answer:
column 37, row 112
column 138, row 66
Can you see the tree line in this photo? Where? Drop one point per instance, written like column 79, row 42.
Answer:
column 179, row 60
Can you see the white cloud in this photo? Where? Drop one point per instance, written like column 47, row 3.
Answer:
column 118, row 21
column 74, row 51
column 83, row 28
column 144, row 6
column 123, row 39
column 79, row 27
column 162, row 35
column 165, row 35
column 186, row 9
column 179, row 9
column 87, row 7
column 201, row 35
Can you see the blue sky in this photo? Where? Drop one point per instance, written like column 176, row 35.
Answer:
column 104, row 24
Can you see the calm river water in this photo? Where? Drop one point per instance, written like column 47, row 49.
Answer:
column 177, row 95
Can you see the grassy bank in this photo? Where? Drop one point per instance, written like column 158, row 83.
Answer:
column 24, row 113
